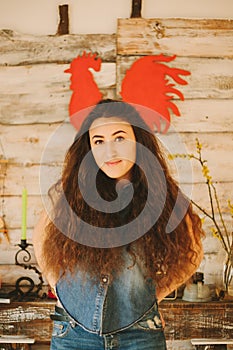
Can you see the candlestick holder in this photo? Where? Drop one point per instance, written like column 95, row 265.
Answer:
column 30, row 290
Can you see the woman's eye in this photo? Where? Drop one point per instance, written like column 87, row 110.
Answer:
column 119, row 138
column 98, row 142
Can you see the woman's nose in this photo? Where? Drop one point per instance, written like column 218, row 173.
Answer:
column 110, row 149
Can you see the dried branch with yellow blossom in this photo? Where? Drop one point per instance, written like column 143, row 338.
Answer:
column 215, row 214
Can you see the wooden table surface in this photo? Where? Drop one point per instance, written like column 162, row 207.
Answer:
column 184, row 320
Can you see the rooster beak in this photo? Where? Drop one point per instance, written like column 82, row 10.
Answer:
column 67, row 70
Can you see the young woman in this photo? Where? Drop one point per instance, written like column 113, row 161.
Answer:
column 120, row 236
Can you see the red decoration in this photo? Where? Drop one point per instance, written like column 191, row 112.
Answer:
column 86, row 92
column 145, row 85
column 51, row 295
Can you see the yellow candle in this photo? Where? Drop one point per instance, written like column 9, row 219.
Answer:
column 24, row 214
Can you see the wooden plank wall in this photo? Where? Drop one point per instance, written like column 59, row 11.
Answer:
column 205, row 48
column 34, row 98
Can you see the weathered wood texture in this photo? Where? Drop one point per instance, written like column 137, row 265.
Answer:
column 34, row 97
column 22, row 49
column 205, row 48
column 28, row 318
column 180, row 36
column 211, row 78
column 37, row 142
column 40, row 93
column 184, row 320
column 63, row 26
column 136, row 8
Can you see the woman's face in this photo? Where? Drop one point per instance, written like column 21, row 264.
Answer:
column 113, row 145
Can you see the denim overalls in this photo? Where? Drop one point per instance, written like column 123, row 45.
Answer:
column 121, row 314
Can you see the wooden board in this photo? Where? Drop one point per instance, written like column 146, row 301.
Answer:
column 17, row 48
column 197, row 320
column 30, row 318
column 183, row 320
column 41, row 93
column 47, row 144
column 180, row 36
column 210, row 78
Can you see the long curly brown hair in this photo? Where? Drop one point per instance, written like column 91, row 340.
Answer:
column 166, row 246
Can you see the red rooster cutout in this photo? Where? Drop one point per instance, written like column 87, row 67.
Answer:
column 145, row 85
column 86, row 92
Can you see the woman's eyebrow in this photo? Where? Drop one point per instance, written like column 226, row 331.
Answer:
column 118, row 132
column 98, row 136
column 115, row 133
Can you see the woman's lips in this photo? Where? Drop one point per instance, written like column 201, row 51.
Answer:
column 114, row 162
